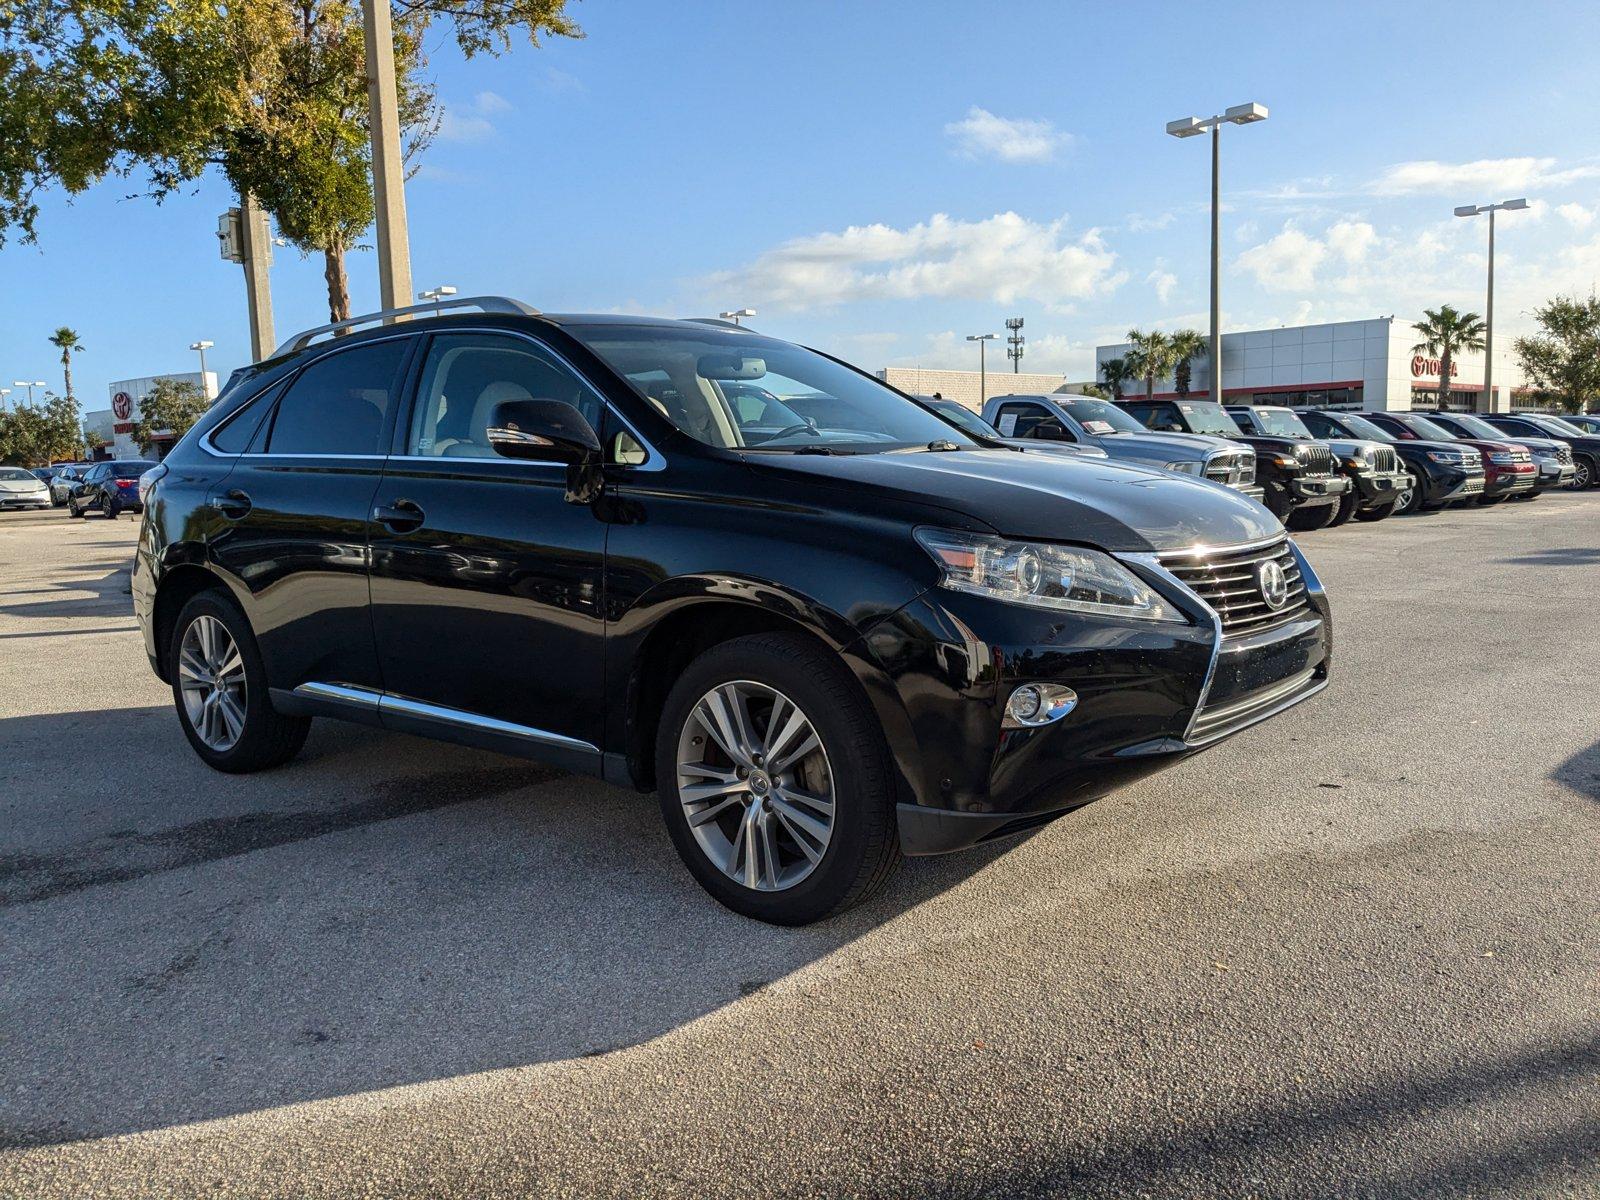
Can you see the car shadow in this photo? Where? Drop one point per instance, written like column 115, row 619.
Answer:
column 181, row 945
column 1556, row 556
column 1581, row 772
column 76, row 595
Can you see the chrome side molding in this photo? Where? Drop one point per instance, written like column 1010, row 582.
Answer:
column 383, row 703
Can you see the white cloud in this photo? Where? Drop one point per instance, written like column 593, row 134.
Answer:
column 1575, row 215
column 1003, row 258
column 1499, row 176
column 471, row 122
column 1351, row 240
column 1285, row 262
column 1139, row 223
column 981, row 134
column 1163, row 282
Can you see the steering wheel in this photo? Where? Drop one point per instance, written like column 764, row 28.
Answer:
column 804, row 427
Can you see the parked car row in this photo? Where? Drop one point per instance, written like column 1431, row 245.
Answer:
column 111, row 487
column 1315, row 468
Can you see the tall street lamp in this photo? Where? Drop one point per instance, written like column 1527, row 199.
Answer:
column 733, row 314
column 437, row 294
column 4, row 392
column 1472, row 210
column 29, row 385
column 202, row 347
column 1239, row 114
column 983, row 339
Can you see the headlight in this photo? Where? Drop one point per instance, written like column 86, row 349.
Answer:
column 1448, row 458
column 1286, row 461
column 1188, row 468
column 1042, row 575
column 1545, row 452
column 1356, row 464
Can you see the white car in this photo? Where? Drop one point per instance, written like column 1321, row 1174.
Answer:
column 22, row 489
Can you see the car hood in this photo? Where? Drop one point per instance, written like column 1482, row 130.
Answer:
column 1167, row 447
column 21, row 485
column 1063, row 449
column 1351, row 447
column 1098, row 502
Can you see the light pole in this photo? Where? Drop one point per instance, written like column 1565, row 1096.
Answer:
column 4, row 392
column 202, row 347
column 735, row 313
column 30, row 386
column 1472, row 210
column 437, row 294
column 1239, row 114
column 388, row 168
column 1014, row 343
column 983, row 340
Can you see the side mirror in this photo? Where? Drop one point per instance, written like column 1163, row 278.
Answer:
column 542, row 431
column 1049, row 431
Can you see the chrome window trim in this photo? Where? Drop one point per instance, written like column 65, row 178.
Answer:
column 654, row 461
column 381, row 702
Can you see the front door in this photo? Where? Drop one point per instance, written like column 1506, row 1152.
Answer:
column 486, row 582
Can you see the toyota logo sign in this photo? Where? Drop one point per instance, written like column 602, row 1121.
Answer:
column 122, row 405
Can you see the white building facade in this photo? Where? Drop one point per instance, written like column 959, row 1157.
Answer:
column 1351, row 365
column 126, row 396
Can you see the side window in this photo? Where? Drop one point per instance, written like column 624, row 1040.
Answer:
column 466, row 376
column 1020, row 420
column 239, row 430
column 337, row 404
column 1318, row 424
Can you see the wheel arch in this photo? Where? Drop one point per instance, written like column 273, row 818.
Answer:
column 179, row 584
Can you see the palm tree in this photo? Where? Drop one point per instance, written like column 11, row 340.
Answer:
column 1187, row 344
column 1151, row 357
column 1445, row 331
column 1116, row 372
column 66, row 341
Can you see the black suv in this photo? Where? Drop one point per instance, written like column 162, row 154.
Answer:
column 823, row 645
column 1440, row 472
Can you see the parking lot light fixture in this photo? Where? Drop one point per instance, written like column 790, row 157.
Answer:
column 734, row 314
column 202, row 347
column 1186, row 127
column 1473, row 210
column 983, row 339
column 30, row 385
column 437, row 294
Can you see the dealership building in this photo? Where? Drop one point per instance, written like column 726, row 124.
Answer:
column 115, row 424
column 1356, row 365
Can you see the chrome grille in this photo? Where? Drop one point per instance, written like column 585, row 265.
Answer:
column 1317, row 460
column 1385, row 459
column 1227, row 581
column 1521, row 454
column 1215, row 720
column 1564, row 455
column 1236, row 468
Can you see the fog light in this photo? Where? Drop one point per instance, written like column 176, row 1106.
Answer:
column 1035, row 704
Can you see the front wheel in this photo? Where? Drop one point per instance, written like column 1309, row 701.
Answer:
column 1377, row 512
column 1486, row 501
column 219, row 685
column 775, row 780
column 1411, row 496
column 1349, row 503
column 1587, row 476
column 1306, row 518
column 73, row 510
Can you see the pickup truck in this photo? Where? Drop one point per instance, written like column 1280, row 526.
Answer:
column 1087, row 421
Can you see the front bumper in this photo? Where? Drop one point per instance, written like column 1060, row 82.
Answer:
column 1510, row 482
column 1379, row 487
column 25, row 500
column 1554, row 474
column 1147, row 696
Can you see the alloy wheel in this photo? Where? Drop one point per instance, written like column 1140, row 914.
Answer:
column 1581, row 480
column 1403, row 500
column 211, row 678
column 755, row 785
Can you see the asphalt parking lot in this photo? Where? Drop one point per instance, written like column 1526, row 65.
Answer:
column 1352, row 952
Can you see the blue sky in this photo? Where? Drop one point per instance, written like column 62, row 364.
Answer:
column 880, row 179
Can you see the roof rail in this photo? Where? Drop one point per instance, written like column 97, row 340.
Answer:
column 719, row 322
column 488, row 304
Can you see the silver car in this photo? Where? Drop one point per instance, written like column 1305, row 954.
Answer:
column 22, row 489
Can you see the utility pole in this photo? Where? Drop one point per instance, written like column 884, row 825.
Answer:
column 388, row 171
column 245, row 239
column 983, row 340
column 1473, row 210
column 1014, row 343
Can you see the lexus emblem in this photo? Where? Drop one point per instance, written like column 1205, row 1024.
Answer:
column 1274, row 584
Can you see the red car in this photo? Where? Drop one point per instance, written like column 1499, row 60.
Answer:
column 1508, row 470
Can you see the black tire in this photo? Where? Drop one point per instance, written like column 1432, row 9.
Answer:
column 864, row 848
column 111, row 506
column 1346, row 509
column 1277, row 501
column 1486, row 501
column 269, row 738
column 1376, row 513
column 1588, row 475
column 1306, row 518
column 73, row 510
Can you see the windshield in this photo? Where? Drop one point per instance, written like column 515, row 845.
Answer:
column 1208, row 418
column 1476, row 426
column 1360, row 427
column 1098, row 416
column 744, row 391
column 1280, row 422
column 130, row 470
column 964, row 418
column 13, row 474
column 1557, row 425
column 1427, row 430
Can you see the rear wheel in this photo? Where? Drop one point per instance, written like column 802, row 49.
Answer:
column 1377, row 512
column 110, row 505
column 775, row 781
column 1587, row 476
column 220, row 688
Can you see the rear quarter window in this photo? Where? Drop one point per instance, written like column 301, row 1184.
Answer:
column 338, row 404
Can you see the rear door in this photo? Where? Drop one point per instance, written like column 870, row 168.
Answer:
column 487, row 583
column 294, row 514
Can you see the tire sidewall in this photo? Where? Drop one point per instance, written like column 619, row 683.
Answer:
column 821, row 891
column 257, row 706
column 1419, row 493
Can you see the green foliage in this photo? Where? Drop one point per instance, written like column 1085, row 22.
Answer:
column 1151, row 357
column 37, row 434
column 1116, row 372
column 1445, row 333
column 1563, row 359
column 1187, row 345
column 66, row 341
column 172, row 406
